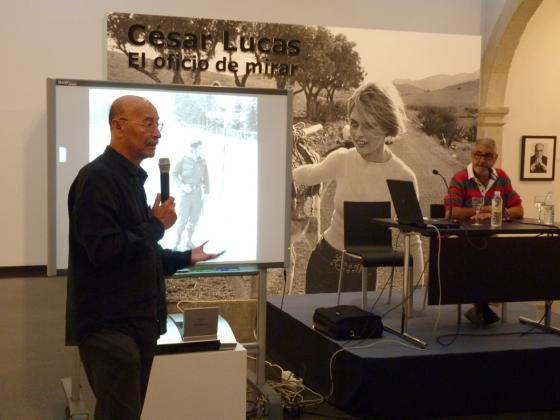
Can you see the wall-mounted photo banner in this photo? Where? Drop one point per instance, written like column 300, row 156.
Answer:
column 322, row 64
column 538, row 156
column 432, row 78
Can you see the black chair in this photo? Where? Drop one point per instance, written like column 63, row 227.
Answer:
column 367, row 241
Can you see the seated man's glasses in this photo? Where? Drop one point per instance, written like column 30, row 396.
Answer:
column 486, row 156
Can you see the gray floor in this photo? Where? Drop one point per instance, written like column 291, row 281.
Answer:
column 33, row 357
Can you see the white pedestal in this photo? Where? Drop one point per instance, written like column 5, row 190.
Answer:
column 202, row 385
column 195, row 385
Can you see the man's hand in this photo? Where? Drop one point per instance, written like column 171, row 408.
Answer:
column 198, row 254
column 165, row 212
column 469, row 213
column 486, row 209
column 485, row 213
column 482, row 216
column 538, row 165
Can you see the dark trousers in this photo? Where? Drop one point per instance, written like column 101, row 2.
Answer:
column 118, row 369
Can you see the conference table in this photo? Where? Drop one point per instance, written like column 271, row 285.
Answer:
column 516, row 262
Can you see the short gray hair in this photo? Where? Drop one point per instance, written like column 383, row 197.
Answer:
column 486, row 141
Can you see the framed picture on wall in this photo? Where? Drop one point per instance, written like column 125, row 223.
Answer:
column 538, row 156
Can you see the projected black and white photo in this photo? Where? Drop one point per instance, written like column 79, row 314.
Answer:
column 211, row 142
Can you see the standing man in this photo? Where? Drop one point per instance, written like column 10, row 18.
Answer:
column 191, row 175
column 116, row 307
column 481, row 179
column 538, row 164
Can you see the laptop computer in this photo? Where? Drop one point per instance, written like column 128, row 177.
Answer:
column 408, row 209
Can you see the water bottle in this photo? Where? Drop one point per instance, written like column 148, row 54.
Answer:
column 548, row 209
column 496, row 214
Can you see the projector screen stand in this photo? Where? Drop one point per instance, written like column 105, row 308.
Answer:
column 258, row 379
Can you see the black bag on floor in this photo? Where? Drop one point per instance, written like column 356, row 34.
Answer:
column 347, row 322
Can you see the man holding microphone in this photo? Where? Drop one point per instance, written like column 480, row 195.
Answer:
column 116, row 307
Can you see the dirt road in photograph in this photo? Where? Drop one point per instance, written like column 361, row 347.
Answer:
column 422, row 154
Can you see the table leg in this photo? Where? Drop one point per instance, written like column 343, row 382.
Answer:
column 546, row 324
column 408, row 283
column 364, row 287
column 407, row 304
column 504, row 312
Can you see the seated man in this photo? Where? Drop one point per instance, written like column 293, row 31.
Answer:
column 481, row 179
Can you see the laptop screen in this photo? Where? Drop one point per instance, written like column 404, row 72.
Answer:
column 405, row 201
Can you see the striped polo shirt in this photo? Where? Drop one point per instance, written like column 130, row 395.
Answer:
column 464, row 186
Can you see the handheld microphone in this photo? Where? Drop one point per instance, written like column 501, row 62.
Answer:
column 164, row 166
column 436, row 172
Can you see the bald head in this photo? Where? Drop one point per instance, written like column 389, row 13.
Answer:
column 121, row 105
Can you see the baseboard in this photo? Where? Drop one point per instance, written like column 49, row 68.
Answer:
column 23, row 271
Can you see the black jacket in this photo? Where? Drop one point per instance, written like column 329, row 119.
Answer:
column 115, row 266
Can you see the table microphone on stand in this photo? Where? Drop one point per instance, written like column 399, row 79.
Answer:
column 436, row 172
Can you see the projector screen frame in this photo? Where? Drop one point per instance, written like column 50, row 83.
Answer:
column 52, row 83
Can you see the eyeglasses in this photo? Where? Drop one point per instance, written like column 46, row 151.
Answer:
column 149, row 125
column 486, row 156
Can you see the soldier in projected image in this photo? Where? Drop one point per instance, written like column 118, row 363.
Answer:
column 191, row 176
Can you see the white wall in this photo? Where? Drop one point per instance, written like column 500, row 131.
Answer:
column 533, row 97
column 66, row 38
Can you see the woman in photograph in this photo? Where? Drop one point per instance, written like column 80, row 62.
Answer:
column 375, row 112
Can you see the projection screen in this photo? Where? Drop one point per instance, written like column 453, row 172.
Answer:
column 242, row 136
